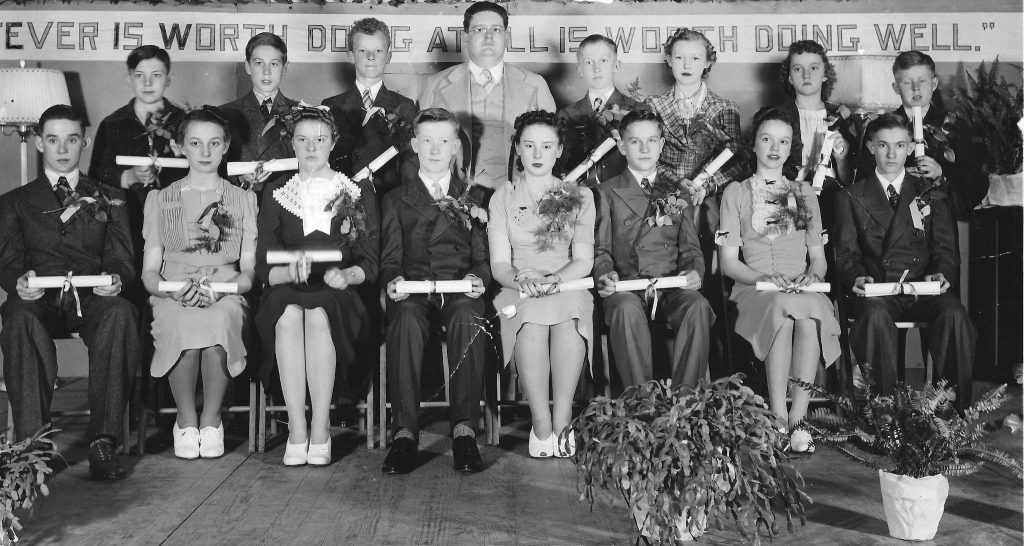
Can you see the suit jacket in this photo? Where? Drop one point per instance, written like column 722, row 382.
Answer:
column 33, row 238
column 449, row 89
column 586, row 133
column 967, row 183
column 358, row 145
column 419, row 242
column 121, row 133
column 631, row 247
column 247, row 141
column 875, row 241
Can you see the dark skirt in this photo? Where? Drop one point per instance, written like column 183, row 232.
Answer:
column 344, row 310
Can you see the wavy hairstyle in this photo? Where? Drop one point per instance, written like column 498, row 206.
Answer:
column 689, row 35
column 807, row 46
column 305, row 112
column 206, row 114
column 538, row 117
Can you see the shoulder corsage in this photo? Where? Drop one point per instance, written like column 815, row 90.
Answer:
column 347, row 205
column 214, row 225
column 556, row 209
column 790, row 208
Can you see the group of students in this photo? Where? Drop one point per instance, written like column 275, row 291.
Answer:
column 428, row 216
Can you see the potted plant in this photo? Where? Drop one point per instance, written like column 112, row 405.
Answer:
column 994, row 107
column 681, row 458
column 24, row 470
column 914, row 438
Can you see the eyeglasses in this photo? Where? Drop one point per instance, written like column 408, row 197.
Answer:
column 486, row 31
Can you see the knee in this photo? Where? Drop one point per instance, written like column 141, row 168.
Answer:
column 693, row 310
column 952, row 314
column 19, row 315
column 465, row 308
column 118, row 310
column 316, row 319
column 874, row 314
column 290, row 321
column 624, row 307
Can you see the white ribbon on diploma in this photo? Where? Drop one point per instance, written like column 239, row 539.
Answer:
column 920, row 288
column 651, row 287
column 145, row 161
column 236, row 168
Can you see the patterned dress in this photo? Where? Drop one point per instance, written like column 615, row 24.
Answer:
column 172, row 218
column 775, row 223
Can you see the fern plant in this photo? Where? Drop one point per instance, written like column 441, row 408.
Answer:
column 913, row 432
column 994, row 107
column 681, row 458
column 24, row 470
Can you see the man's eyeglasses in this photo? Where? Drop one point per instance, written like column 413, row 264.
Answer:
column 486, row 31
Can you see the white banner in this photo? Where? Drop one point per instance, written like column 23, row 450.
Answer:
column 740, row 38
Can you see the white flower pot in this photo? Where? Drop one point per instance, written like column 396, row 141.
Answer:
column 913, row 506
column 1004, row 190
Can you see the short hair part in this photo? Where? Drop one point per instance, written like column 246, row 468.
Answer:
column 910, row 59
column 61, row 111
column 266, row 39
column 206, row 114
column 369, row 26
column 598, row 39
column 887, row 121
column 435, row 115
column 480, row 7
column 145, row 52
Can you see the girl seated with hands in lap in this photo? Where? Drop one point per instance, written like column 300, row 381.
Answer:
column 308, row 318
column 549, row 333
column 200, row 229
column 778, row 224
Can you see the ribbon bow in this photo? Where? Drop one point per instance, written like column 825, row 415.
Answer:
column 651, row 295
column 68, row 286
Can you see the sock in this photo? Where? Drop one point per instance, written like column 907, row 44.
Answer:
column 463, row 429
column 405, row 433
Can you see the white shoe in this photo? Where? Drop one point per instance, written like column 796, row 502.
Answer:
column 565, row 446
column 186, row 442
column 211, row 441
column 319, row 454
column 295, row 454
column 541, row 448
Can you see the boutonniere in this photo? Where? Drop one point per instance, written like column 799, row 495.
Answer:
column 610, row 119
column 393, row 125
column 667, row 196
column 463, row 209
column 555, row 209
column 90, row 199
column 347, row 205
column 939, row 137
column 214, row 225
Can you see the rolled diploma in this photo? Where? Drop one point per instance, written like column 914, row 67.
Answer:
column 437, row 287
column 586, row 283
column 289, row 256
column 593, row 158
column 716, row 164
column 823, row 158
column 642, row 284
column 162, row 162
column 918, row 131
column 881, row 289
column 236, row 168
column 376, row 164
column 221, row 287
column 822, row 287
column 922, row 288
column 84, row 281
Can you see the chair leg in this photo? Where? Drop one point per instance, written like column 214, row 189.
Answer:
column 369, row 419
column 253, row 415
column 261, row 432
column 382, row 400
column 901, row 356
column 929, row 373
column 10, row 418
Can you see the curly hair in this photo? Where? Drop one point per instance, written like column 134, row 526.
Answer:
column 369, row 26
column 807, row 46
column 685, row 34
column 538, row 117
column 311, row 113
column 206, row 114
column 766, row 115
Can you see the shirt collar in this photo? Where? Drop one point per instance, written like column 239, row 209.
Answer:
column 496, row 71
column 260, row 97
column 374, row 89
column 697, row 100
column 640, row 176
column 445, row 182
column 898, row 182
column 53, row 176
column 603, row 96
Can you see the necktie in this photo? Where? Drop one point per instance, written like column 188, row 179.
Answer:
column 267, row 106
column 436, row 192
column 62, row 189
column 488, row 79
column 894, row 198
column 645, row 184
column 367, row 100
column 597, row 104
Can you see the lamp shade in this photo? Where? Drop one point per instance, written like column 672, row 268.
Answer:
column 865, row 81
column 26, row 92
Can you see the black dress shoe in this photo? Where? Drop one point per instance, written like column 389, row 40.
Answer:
column 104, row 464
column 401, row 457
column 466, row 455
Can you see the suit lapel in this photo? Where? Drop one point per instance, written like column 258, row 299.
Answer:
column 875, row 202
column 631, row 194
column 901, row 221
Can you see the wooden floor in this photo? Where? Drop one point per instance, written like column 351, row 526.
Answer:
column 253, row 499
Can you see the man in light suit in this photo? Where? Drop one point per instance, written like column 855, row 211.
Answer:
column 629, row 247
column 486, row 94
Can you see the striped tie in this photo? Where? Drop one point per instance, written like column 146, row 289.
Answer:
column 894, row 198
column 367, row 100
column 488, row 80
column 597, row 104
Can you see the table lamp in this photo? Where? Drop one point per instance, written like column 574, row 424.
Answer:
column 24, row 94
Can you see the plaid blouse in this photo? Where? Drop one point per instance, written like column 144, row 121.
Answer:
column 691, row 145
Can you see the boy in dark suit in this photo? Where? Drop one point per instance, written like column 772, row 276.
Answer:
column 596, row 64
column 369, row 50
column 46, row 229
column 266, row 62
column 891, row 221
column 629, row 247
column 422, row 242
